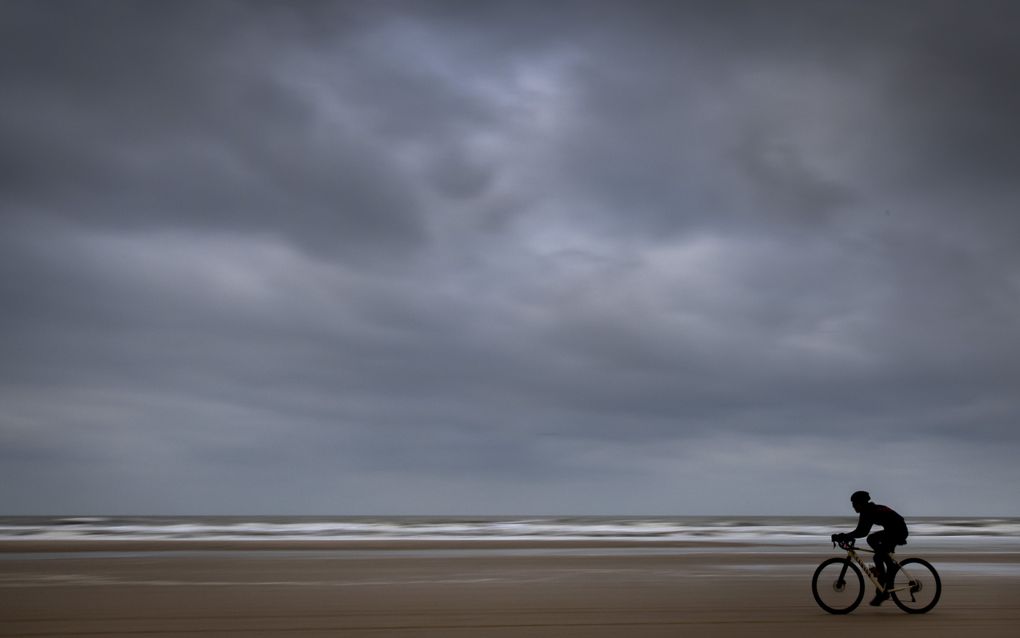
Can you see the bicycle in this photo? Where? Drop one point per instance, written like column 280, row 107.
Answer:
column 838, row 584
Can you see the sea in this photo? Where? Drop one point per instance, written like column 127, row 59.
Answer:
column 990, row 532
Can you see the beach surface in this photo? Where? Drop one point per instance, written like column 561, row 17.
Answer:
column 470, row 589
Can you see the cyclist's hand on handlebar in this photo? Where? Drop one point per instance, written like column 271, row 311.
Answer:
column 842, row 539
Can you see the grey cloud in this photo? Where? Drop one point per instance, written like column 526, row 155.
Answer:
column 402, row 256
column 182, row 120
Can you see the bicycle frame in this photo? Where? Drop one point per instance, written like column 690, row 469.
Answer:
column 851, row 552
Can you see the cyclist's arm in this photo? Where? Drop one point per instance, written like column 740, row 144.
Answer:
column 864, row 524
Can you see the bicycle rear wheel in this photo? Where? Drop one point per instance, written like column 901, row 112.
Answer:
column 838, row 586
column 917, row 587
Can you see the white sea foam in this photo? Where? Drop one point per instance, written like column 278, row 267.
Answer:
column 778, row 530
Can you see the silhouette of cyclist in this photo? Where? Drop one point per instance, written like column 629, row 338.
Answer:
column 884, row 542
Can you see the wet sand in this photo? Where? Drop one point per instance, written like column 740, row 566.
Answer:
column 469, row 589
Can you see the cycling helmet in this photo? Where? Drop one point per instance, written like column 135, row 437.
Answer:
column 860, row 497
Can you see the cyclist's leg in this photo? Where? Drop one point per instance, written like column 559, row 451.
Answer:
column 880, row 542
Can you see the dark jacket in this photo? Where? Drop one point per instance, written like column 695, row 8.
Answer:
column 885, row 517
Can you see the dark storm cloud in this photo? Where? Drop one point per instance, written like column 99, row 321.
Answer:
column 142, row 115
column 439, row 255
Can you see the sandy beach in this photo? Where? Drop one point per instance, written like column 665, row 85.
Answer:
column 467, row 589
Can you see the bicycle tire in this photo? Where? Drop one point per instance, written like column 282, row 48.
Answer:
column 845, row 582
column 920, row 584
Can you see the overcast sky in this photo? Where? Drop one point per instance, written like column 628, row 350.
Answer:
column 508, row 257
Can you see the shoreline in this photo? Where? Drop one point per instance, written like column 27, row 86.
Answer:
column 724, row 551
column 82, row 544
column 109, row 545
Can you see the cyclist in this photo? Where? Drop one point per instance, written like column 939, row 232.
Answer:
column 893, row 533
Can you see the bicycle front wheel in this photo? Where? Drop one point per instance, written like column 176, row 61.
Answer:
column 838, row 586
column 917, row 587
